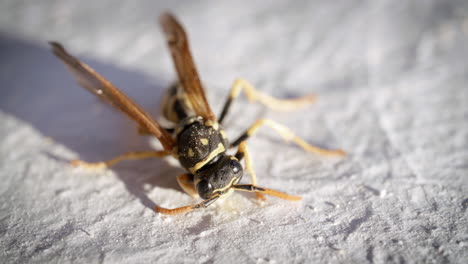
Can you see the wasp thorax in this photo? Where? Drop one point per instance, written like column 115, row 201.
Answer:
column 218, row 176
column 199, row 142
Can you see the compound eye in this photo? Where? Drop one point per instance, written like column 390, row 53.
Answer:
column 204, row 189
column 235, row 166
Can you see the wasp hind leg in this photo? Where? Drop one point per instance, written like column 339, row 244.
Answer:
column 287, row 135
column 271, row 102
column 126, row 156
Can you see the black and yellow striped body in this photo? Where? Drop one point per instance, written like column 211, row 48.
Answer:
column 175, row 106
column 198, row 142
column 201, row 147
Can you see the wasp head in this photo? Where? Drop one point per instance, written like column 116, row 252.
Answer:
column 218, row 176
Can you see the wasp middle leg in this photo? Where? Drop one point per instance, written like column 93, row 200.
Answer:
column 271, row 102
column 287, row 135
column 126, row 156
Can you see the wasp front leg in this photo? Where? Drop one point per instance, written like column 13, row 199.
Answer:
column 126, row 156
column 185, row 182
column 243, row 153
column 185, row 209
column 288, row 135
column 271, row 102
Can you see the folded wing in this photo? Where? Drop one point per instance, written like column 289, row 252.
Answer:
column 105, row 90
column 186, row 70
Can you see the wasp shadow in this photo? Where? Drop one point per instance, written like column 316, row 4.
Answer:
column 37, row 88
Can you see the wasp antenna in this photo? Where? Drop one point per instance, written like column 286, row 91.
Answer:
column 253, row 188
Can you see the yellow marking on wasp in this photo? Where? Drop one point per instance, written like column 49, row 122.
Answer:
column 213, row 154
column 190, row 152
column 204, row 141
column 233, row 181
column 210, row 123
column 185, row 100
column 181, row 126
column 223, row 134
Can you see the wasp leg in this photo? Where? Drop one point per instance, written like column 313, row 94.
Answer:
column 126, row 156
column 288, row 135
column 253, row 188
column 243, row 152
column 185, row 182
column 271, row 102
column 185, row 209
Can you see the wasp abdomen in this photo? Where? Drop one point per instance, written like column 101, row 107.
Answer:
column 175, row 106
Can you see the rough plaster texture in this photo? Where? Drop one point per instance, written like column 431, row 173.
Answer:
column 392, row 78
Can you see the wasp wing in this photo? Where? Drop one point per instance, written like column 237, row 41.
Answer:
column 186, row 70
column 105, row 90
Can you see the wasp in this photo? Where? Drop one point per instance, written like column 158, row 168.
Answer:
column 197, row 138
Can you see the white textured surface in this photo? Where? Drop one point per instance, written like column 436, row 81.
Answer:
column 392, row 79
